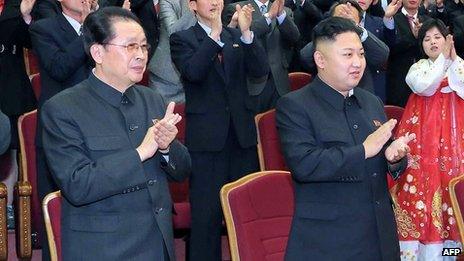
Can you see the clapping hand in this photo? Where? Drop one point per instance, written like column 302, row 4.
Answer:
column 376, row 140
column 26, row 9
column 393, row 8
column 399, row 148
column 165, row 129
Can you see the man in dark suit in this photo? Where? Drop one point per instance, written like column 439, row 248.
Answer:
column 334, row 138
column 376, row 51
column 59, row 46
column 16, row 96
column 384, row 30
column 458, row 34
column 276, row 31
column 109, row 154
column 404, row 53
column 214, row 62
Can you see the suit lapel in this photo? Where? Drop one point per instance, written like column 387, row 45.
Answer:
column 68, row 31
column 201, row 35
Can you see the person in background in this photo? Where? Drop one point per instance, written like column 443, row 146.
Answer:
column 426, row 220
column 214, row 63
column 174, row 16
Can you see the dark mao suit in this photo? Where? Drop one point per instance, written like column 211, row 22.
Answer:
column 343, row 210
column 220, row 134
column 115, row 207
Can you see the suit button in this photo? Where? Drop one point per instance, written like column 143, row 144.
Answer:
column 348, row 103
column 158, row 210
column 355, row 126
column 227, row 108
column 377, row 202
column 374, row 174
column 133, row 127
column 151, row 182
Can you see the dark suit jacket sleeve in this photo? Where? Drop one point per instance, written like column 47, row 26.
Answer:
column 60, row 62
column 306, row 58
column 45, row 8
column 193, row 63
column 458, row 34
column 288, row 29
column 376, row 51
column 308, row 161
column 81, row 179
column 179, row 165
column 5, row 132
column 20, row 33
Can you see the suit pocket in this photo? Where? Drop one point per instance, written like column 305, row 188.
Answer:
column 105, row 142
column 316, row 210
column 87, row 223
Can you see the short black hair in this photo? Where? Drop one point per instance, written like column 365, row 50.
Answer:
column 98, row 26
column 427, row 25
column 329, row 28
column 354, row 3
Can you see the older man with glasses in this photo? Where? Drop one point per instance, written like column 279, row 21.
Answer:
column 111, row 148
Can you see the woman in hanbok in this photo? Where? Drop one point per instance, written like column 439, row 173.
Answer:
column 435, row 114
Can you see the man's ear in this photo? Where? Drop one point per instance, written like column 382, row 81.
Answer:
column 96, row 51
column 319, row 59
column 193, row 5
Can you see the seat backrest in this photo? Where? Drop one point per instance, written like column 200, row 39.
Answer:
column 258, row 210
column 36, row 85
column 456, row 190
column 298, row 80
column 52, row 216
column 269, row 151
column 27, row 125
column 394, row 112
column 31, row 62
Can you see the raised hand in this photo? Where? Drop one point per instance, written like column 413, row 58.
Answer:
column 281, row 5
column 149, row 146
column 26, row 8
column 93, row 5
column 417, row 26
column 449, row 45
column 216, row 23
column 274, row 10
column 376, row 140
column 234, row 20
column 165, row 130
column 245, row 17
column 399, row 148
column 126, row 5
column 393, row 8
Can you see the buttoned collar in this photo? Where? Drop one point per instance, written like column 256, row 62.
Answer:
column 110, row 94
column 333, row 97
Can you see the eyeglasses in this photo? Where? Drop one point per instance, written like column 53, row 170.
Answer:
column 133, row 47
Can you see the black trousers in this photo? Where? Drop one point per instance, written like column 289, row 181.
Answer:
column 210, row 171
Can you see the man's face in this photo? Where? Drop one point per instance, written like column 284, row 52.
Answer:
column 411, row 4
column 365, row 4
column 72, row 8
column 121, row 66
column 207, row 10
column 341, row 63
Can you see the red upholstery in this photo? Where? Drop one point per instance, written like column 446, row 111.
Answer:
column 144, row 80
column 258, row 210
column 36, row 85
column 31, row 62
column 393, row 112
column 269, row 152
column 298, row 80
column 456, row 190
column 52, row 215
column 27, row 124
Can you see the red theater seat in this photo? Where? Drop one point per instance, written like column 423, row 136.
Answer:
column 456, row 190
column 298, row 80
column 52, row 216
column 269, row 152
column 258, row 210
column 36, row 85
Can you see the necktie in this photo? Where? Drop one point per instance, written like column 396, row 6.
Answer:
column 263, row 9
column 411, row 21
